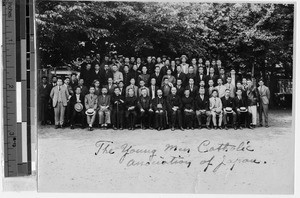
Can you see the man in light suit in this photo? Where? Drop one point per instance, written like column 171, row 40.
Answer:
column 90, row 102
column 264, row 97
column 216, row 109
column 60, row 96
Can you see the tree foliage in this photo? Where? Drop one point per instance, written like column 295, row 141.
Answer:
column 259, row 35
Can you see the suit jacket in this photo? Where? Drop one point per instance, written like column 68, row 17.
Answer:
column 44, row 92
column 174, row 100
column 198, row 79
column 91, row 101
column 214, row 78
column 180, row 91
column 110, row 89
column 182, row 76
column 188, row 103
column 240, row 103
column 215, row 104
column 224, row 78
column 84, row 90
column 201, row 104
column 157, row 101
column 103, row 101
column 98, row 76
column 135, row 90
column 231, row 87
column 157, row 78
column 73, row 100
column 151, row 91
column 190, row 75
column 264, row 94
column 228, row 102
column 55, row 94
column 144, row 102
column 123, row 91
column 117, row 102
column 194, row 91
column 107, row 74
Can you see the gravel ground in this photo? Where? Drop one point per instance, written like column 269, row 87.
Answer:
column 148, row 161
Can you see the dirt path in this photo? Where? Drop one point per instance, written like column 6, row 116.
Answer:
column 198, row 161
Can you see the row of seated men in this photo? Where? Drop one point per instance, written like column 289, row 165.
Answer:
column 158, row 111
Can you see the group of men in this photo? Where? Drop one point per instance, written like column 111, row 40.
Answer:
column 158, row 94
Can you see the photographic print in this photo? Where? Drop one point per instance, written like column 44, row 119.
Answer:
column 165, row 97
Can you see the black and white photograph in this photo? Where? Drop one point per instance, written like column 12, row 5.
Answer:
column 165, row 97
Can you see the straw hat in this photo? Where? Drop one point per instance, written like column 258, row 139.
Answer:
column 78, row 107
column 90, row 112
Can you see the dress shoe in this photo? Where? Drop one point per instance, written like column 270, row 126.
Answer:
column 72, row 127
column 267, row 126
column 235, row 128
column 208, row 127
column 181, row 128
column 250, row 127
column 192, row 128
column 115, row 128
column 56, row 126
column 226, row 128
column 121, row 128
column 215, row 127
column 172, row 129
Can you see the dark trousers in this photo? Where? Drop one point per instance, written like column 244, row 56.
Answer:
column 201, row 115
column 243, row 118
column 229, row 115
column 146, row 118
column 51, row 112
column 176, row 116
column 131, row 118
column 68, row 113
column 79, row 116
column 44, row 114
column 160, row 119
column 117, row 118
column 189, row 118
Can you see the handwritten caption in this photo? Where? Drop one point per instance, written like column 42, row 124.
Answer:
column 211, row 157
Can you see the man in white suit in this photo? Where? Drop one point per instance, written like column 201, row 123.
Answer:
column 216, row 109
column 60, row 97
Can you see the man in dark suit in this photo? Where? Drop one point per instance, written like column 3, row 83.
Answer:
column 122, row 88
column 200, row 76
column 98, row 74
column 188, row 109
column 157, row 75
column 181, row 75
column 44, row 91
column 153, row 88
column 126, row 76
column 191, row 73
column 87, row 75
column 202, row 108
column 222, row 75
column 144, row 103
column 77, row 98
column 150, row 66
column 117, row 102
column 228, row 102
column 174, row 108
column 159, row 108
column 212, row 76
column 110, row 86
column 193, row 88
column 180, row 88
column 239, row 104
column 131, row 102
column 84, row 89
column 73, row 81
column 107, row 74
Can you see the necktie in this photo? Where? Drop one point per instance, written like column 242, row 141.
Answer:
column 58, row 88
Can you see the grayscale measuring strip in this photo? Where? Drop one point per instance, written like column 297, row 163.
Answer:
column 18, row 82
